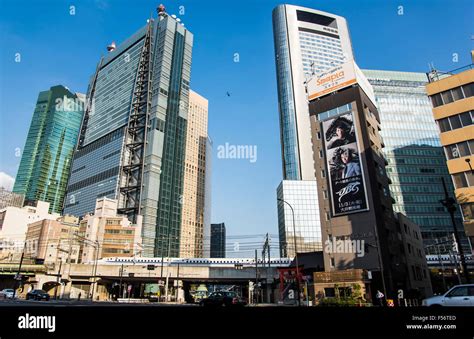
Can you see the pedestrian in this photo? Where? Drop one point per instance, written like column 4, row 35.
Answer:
column 79, row 296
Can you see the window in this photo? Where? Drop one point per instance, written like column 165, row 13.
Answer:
column 447, row 97
column 436, row 100
column 460, row 180
column 466, row 119
column 458, row 292
column 463, row 149
column 457, row 93
column 455, row 122
column 468, row 90
column 444, row 125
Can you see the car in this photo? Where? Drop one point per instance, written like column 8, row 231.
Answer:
column 37, row 295
column 223, row 299
column 459, row 295
column 6, row 293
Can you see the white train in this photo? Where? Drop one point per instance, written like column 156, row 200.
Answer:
column 448, row 259
column 211, row 262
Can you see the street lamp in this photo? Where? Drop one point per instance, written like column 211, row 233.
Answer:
column 469, row 163
column 450, row 205
column 296, row 251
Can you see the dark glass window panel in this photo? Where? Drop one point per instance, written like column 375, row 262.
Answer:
column 468, row 90
column 460, row 180
column 457, row 93
column 452, row 152
column 455, row 122
column 470, row 178
column 466, row 118
column 463, row 149
column 444, row 125
column 436, row 100
column 471, row 146
column 447, row 97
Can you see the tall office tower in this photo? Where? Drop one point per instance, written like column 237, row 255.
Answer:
column 298, row 213
column 133, row 137
column 206, row 243
column 416, row 161
column 194, row 193
column 353, row 185
column 218, row 240
column 307, row 42
column 47, row 156
column 452, row 96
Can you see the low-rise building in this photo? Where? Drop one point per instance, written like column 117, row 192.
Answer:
column 51, row 241
column 8, row 198
column 108, row 234
column 14, row 225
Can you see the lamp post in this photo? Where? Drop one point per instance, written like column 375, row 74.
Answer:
column 296, row 250
column 469, row 163
column 450, row 205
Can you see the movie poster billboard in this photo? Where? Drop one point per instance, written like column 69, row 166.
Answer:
column 346, row 179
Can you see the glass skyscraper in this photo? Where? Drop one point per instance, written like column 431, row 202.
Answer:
column 133, row 136
column 416, row 161
column 302, row 195
column 47, row 155
column 307, row 42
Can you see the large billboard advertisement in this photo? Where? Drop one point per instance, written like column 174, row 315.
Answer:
column 346, row 179
column 336, row 78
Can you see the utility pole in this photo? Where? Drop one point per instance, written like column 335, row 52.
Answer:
column 58, row 279
column 120, row 289
column 256, row 278
column 18, row 277
column 450, row 205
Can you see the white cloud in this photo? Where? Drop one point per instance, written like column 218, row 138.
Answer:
column 6, row 181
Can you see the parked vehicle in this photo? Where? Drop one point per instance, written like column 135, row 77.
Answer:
column 37, row 295
column 6, row 293
column 223, row 299
column 459, row 295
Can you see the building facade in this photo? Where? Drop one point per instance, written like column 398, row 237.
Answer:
column 353, row 186
column 296, row 224
column 132, row 143
column 452, row 96
column 8, row 198
column 14, row 223
column 195, row 176
column 307, row 41
column 218, row 241
column 51, row 241
column 416, row 160
column 108, row 234
column 418, row 274
column 47, row 155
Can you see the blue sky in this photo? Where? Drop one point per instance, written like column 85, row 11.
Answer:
column 59, row 48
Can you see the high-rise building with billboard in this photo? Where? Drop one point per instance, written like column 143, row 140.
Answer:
column 195, row 205
column 47, row 155
column 133, row 137
column 416, row 160
column 307, row 42
column 354, row 194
